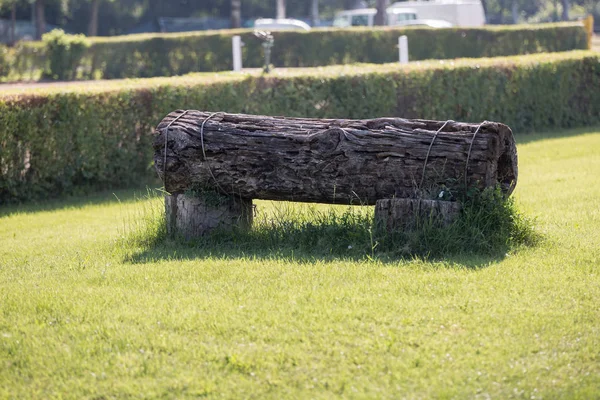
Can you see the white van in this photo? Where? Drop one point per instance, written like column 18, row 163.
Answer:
column 360, row 17
column 398, row 16
column 457, row 12
column 434, row 13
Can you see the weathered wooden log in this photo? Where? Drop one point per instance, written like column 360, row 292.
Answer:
column 331, row 161
column 406, row 214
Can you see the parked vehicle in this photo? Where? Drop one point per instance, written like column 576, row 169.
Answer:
column 360, row 17
column 402, row 16
column 434, row 13
column 429, row 23
column 280, row 24
column 457, row 12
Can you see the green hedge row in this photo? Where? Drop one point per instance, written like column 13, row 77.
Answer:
column 177, row 54
column 55, row 142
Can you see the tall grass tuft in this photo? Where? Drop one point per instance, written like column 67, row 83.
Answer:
column 489, row 224
column 146, row 227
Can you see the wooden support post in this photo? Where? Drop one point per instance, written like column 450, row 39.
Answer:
column 193, row 216
column 406, row 214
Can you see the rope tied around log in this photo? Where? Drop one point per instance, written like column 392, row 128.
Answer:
column 201, row 142
column 429, row 152
column 469, row 154
column 204, row 151
column 166, row 140
column 271, row 158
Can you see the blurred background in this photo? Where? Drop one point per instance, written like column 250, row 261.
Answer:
column 31, row 18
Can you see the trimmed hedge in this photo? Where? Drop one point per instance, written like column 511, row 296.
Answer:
column 57, row 142
column 176, row 54
column 65, row 53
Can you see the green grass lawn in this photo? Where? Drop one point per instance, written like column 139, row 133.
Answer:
column 83, row 315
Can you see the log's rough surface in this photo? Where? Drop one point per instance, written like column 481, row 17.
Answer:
column 330, row 161
column 406, row 214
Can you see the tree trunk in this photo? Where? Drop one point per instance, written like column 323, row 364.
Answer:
column 236, row 14
column 485, row 10
column 502, row 5
column 93, row 25
column 380, row 16
column 13, row 23
column 40, row 19
column 280, row 9
column 515, row 12
column 565, row 9
column 331, row 161
column 314, row 12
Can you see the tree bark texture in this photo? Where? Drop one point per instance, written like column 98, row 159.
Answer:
column 331, row 161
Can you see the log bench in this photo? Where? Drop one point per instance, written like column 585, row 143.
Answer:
column 399, row 165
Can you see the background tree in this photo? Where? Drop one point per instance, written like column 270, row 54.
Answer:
column 484, row 5
column 314, row 12
column 40, row 18
column 93, row 25
column 565, row 9
column 117, row 17
column 13, row 22
column 236, row 13
column 381, row 6
column 11, row 6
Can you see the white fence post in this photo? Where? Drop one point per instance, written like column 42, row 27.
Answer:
column 403, row 49
column 236, row 42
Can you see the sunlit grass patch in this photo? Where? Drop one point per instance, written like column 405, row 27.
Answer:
column 86, row 313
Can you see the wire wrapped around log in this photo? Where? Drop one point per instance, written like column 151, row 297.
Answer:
column 329, row 160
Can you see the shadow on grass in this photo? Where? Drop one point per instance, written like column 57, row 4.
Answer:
column 175, row 251
column 76, row 202
column 488, row 228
